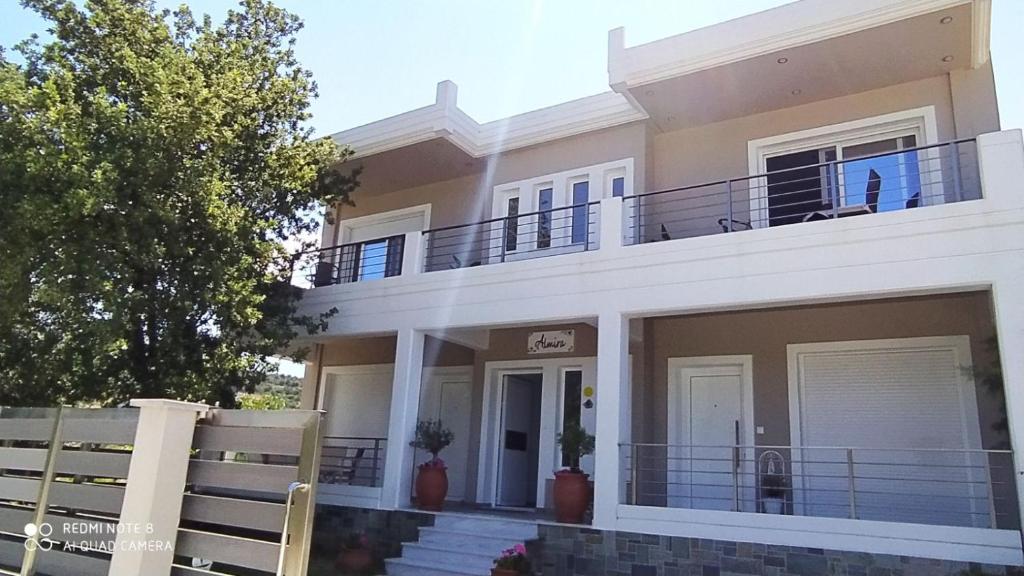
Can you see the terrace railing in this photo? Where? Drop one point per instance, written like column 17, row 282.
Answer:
column 563, row 230
column 950, row 487
column 900, row 180
column 353, row 262
column 353, row 461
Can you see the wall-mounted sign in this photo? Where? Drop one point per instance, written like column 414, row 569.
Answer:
column 552, row 342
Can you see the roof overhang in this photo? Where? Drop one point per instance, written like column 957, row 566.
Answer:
column 796, row 53
column 444, row 120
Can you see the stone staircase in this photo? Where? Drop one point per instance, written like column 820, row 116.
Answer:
column 459, row 545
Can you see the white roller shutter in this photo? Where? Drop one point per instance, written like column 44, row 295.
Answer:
column 907, row 410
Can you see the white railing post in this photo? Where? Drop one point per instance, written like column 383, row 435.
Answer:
column 413, row 253
column 613, row 415
column 405, row 404
column 611, row 225
column 151, row 509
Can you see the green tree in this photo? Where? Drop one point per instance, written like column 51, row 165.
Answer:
column 152, row 167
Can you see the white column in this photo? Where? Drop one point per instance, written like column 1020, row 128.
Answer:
column 1008, row 301
column 405, row 404
column 612, row 224
column 412, row 253
column 151, row 508
column 612, row 416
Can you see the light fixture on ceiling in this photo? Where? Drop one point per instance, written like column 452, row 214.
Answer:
column 796, row 92
column 649, row 92
column 946, row 20
column 947, row 58
column 782, row 60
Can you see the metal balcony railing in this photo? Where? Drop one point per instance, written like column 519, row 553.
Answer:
column 551, row 232
column 950, row 487
column 901, row 180
column 353, row 262
column 352, row 460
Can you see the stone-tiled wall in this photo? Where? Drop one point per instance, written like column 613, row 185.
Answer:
column 565, row 550
column 385, row 530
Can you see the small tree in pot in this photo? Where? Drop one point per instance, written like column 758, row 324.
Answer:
column 432, row 480
column 572, row 487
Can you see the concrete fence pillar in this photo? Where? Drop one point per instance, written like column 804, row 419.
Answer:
column 156, row 482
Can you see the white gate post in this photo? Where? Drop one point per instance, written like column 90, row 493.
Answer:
column 156, row 482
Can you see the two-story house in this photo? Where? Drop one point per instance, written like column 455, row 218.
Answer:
column 789, row 244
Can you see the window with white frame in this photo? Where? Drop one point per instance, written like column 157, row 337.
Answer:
column 864, row 166
column 555, row 211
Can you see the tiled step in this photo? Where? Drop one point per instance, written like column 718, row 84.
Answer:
column 460, row 545
column 471, row 541
column 515, row 529
column 403, row 567
column 448, row 553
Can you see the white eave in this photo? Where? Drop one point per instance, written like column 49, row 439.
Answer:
column 443, row 119
column 781, row 28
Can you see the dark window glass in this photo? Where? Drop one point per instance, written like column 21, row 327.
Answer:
column 618, row 187
column 571, row 405
column 512, row 225
column 544, row 218
column 580, row 213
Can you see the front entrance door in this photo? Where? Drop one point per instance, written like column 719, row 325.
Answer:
column 519, row 439
column 709, row 431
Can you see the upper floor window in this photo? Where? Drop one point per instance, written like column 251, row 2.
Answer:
column 544, row 197
column 580, row 211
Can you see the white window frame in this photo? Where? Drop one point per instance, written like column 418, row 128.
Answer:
column 347, row 226
column 918, row 122
column 599, row 177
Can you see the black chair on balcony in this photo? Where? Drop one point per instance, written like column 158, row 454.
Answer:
column 325, row 275
column 870, row 205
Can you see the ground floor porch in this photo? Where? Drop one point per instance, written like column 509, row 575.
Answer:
column 872, row 425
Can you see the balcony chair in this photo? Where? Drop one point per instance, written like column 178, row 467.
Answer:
column 870, row 205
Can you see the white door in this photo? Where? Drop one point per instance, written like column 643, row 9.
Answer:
column 907, row 411
column 520, row 434
column 708, row 427
column 447, row 396
column 357, row 402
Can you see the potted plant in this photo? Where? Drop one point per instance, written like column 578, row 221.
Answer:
column 432, row 479
column 355, row 556
column 773, row 493
column 512, row 562
column 572, row 486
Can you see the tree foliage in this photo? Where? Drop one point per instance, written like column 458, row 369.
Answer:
column 152, row 167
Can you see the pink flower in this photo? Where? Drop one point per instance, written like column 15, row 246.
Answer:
column 520, row 549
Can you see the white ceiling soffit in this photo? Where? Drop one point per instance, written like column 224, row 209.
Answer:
column 443, row 119
column 780, row 28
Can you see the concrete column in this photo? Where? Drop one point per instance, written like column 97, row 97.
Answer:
column 412, row 253
column 612, row 416
column 1008, row 304
column 156, row 482
column 611, row 222
column 405, row 405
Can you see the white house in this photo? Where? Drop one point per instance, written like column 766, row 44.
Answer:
column 790, row 242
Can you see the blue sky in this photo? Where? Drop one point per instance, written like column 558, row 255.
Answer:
column 374, row 59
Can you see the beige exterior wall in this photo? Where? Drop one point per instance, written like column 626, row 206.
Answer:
column 975, row 110
column 764, row 334
column 718, row 151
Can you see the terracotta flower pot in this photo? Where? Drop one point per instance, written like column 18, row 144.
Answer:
column 355, row 560
column 503, row 572
column 572, row 496
column 431, row 488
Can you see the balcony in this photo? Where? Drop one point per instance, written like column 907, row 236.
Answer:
column 867, row 185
